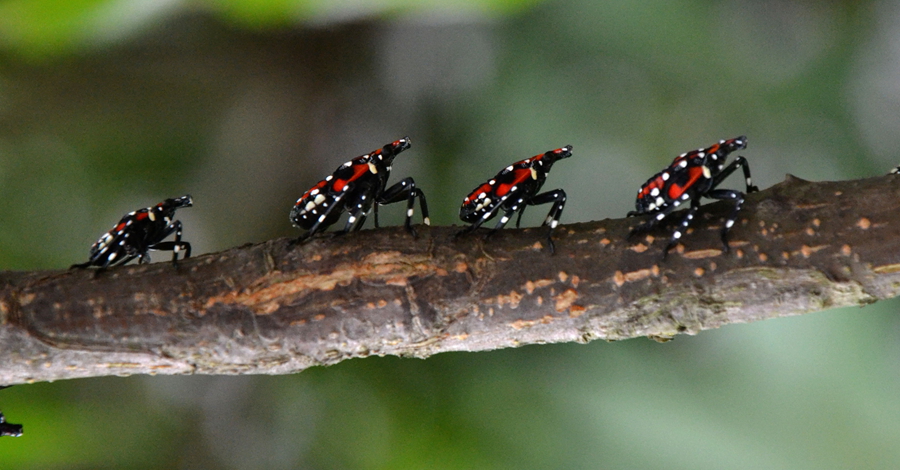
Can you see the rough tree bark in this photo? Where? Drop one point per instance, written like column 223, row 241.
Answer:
column 274, row 309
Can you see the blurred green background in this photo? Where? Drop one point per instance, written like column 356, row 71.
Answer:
column 111, row 105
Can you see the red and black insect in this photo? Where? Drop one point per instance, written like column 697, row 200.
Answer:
column 139, row 232
column 9, row 429
column 514, row 189
column 693, row 175
column 357, row 187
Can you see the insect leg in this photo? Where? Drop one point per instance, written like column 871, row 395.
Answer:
column 175, row 246
column 356, row 220
column 375, row 208
column 318, row 225
column 728, row 170
column 127, row 253
column 503, row 220
column 682, row 226
column 406, row 189
column 484, row 218
column 558, row 198
column 519, row 218
column 728, row 194
column 656, row 218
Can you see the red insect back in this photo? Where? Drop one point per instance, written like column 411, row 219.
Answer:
column 523, row 176
column 692, row 176
column 354, row 187
column 689, row 171
column 139, row 232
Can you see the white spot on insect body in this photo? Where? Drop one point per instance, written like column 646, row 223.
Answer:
column 373, row 168
column 706, row 173
column 654, row 192
column 665, row 176
column 151, row 216
column 554, row 223
column 351, row 219
column 310, row 206
column 683, row 163
column 660, row 201
column 409, row 212
column 426, row 221
column 329, row 178
column 534, row 174
column 729, row 223
column 660, row 216
column 509, row 168
column 319, row 199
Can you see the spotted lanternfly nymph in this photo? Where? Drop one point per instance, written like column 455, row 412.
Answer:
column 9, row 429
column 139, row 232
column 357, row 187
column 514, row 189
column 693, row 175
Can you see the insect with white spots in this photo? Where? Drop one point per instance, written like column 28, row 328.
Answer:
column 9, row 429
column 514, row 189
column 357, row 187
column 139, row 232
column 692, row 176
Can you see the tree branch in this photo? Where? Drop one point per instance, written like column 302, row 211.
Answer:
column 272, row 309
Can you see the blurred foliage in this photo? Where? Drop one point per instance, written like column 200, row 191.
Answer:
column 38, row 29
column 111, row 105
